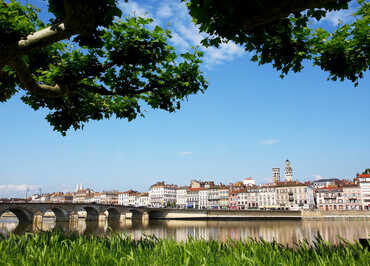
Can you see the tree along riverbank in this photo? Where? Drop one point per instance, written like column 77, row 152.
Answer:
column 56, row 248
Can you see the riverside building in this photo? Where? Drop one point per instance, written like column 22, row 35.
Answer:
column 192, row 198
column 162, row 195
column 203, row 198
column 181, row 197
column 247, row 198
column 267, row 197
column 364, row 183
column 330, row 198
column 127, row 198
column 294, row 195
column 223, row 202
column 352, row 197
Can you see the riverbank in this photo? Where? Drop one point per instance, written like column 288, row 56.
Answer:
column 245, row 215
column 55, row 248
column 330, row 215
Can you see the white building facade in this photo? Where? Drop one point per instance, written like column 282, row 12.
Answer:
column 162, row 195
column 364, row 182
column 267, row 197
column 192, row 198
column 181, row 197
column 204, row 198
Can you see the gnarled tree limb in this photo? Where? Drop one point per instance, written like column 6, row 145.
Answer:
column 25, row 77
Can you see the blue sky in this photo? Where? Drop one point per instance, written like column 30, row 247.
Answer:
column 247, row 122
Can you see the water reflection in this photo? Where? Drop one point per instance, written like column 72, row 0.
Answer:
column 285, row 232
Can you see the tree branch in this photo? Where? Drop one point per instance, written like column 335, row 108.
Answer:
column 44, row 37
column 25, row 77
column 103, row 91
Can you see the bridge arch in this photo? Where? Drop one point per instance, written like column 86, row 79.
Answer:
column 61, row 215
column 136, row 214
column 155, row 214
column 92, row 214
column 23, row 215
column 113, row 214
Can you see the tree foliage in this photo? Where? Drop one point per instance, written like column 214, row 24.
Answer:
column 87, row 63
column 366, row 172
column 110, row 67
column 278, row 32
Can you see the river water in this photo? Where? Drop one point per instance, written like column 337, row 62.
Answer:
column 284, row 232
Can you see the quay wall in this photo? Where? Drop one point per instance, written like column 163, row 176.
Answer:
column 323, row 215
column 177, row 214
column 225, row 215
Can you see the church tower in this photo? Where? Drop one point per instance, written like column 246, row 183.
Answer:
column 288, row 171
column 276, row 175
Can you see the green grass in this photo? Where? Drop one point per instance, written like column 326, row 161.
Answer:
column 57, row 248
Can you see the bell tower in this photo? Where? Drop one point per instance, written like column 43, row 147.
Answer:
column 276, row 175
column 288, row 171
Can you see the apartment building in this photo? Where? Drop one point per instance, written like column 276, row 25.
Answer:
column 60, row 197
column 203, row 198
column 192, row 198
column 181, row 197
column 143, row 200
column 267, row 197
column 247, row 198
column 330, row 198
column 223, row 192
column 363, row 181
column 127, row 198
column 294, row 195
column 162, row 195
column 233, row 198
column 352, row 197
column 213, row 197
column 108, row 197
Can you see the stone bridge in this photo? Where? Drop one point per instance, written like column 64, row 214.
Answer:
column 31, row 212
column 64, row 212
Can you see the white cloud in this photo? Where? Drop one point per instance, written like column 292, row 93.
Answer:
column 189, row 32
column 227, row 52
column 212, row 55
column 164, row 11
column 185, row 33
column 174, row 9
column 134, row 9
column 269, row 141
column 17, row 188
column 338, row 17
column 178, row 41
column 184, row 153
